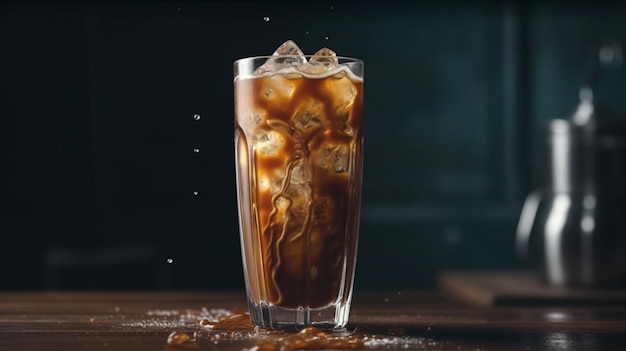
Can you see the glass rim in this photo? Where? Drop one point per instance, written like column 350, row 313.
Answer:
column 266, row 57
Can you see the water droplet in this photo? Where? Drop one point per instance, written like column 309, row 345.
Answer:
column 179, row 9
column 170, row 261
column 196, row 150
column 178, row 338
column 306, row 32
column 326, row 38
column 195, row 193
column 266, row 19
column 196, row 117
column 332, row 7
column 386, row 299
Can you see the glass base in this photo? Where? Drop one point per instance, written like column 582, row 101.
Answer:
column 334, row 317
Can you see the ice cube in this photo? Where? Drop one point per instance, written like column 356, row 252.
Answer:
column 271, row 182
column 334, row 158
column 288, row 55
column 326, row 57
column 300, row 173
column 308, row 118
column 322, row 61
column 277, row 181
column 289, row 48
column 300, row 196
column 268, row 143
column 256, row 117
column 277, row 87
column 343, row 93
column 282, row 203
column 342, row 158
column 324, row 158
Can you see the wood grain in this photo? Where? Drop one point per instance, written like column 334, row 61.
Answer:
column 75, row 320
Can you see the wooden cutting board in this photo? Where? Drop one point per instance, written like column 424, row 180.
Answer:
column 506, row 288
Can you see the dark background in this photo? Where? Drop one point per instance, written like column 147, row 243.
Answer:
column 97, row 136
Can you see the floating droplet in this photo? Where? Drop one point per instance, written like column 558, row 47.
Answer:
column 170, row 261
column 195, row 193
column 179, row 9
column 306, row 32
column 196, row 117
column 326, row 38
column 266, row 19
column 332, row 7
column 196, row 150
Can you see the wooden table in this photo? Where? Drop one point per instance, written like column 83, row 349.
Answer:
column 394, row 320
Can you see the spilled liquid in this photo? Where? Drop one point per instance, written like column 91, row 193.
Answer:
column 220, row 328
column 234, row 327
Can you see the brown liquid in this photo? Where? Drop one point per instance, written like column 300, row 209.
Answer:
column 309, row 338
column 313, row 339
column 299, row 157
column 237, row 321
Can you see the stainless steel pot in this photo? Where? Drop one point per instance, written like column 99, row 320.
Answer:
column 574, row 228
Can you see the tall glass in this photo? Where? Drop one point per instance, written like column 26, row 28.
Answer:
column 299, row 151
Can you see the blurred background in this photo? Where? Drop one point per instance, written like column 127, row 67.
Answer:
column 116, row 131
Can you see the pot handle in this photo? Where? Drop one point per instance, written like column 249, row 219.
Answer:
column 525, row 224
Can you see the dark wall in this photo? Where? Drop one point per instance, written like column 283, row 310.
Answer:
column 100, row 184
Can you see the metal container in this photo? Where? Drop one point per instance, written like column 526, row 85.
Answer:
column 574, row 227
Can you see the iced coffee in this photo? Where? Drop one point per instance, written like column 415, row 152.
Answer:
column 299, row 142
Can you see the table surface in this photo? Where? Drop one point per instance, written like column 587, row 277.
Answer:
column 72, row 320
